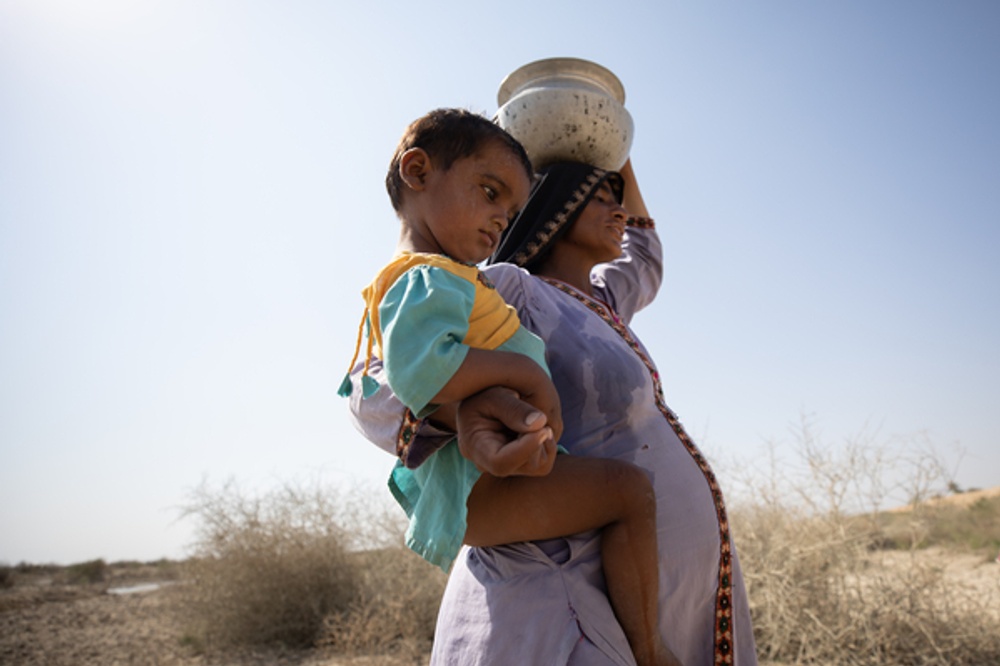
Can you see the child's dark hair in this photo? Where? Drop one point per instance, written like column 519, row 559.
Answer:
column 448, row 135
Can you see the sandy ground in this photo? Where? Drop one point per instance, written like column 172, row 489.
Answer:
column 975, row 576
column 43, row 622
column 965, row 499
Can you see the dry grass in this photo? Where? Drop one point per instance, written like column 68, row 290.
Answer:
column 312, row 576
column 962, row 520
column 297, row 567
column 833, row 577
column 823, row 591
column 395, row 611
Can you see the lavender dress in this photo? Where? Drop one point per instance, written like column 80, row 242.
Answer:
column 546, row 602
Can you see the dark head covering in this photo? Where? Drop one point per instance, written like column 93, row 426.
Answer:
column 560, row 194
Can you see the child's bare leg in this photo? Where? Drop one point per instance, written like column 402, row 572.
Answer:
column 582, row 494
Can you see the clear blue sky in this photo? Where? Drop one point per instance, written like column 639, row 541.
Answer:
column 191, row 199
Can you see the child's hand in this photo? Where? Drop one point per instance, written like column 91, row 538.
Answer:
column 503, row 435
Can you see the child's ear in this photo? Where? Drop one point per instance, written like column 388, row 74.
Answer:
column 414, row 166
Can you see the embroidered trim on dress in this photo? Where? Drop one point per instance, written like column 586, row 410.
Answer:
column 723, row 635
column 407, row 429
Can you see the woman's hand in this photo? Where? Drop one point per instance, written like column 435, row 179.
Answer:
column 503, row 435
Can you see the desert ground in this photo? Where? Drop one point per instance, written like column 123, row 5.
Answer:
column 134, row 618
column 134, row 614
column 127, row 621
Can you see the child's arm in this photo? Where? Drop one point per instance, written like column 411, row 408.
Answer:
column 424, row 321
column 483, row 368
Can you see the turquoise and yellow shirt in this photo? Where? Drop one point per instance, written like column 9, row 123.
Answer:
column 424, row 312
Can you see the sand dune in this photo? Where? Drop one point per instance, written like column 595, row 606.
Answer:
column 965, row 499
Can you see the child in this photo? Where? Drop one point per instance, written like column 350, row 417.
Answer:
column 443, row 334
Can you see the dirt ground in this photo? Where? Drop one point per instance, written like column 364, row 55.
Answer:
column 974, row 576
column 44, row 622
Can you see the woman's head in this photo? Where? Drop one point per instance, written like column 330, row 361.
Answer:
column 561, row 194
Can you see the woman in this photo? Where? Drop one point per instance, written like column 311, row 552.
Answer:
column 581, row 279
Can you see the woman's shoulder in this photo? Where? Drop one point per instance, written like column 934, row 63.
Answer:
column 513, row 283
column 506, row 274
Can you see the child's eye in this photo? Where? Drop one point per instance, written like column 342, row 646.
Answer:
column 491, row 194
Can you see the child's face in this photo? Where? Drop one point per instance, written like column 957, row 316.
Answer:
column 600, row 229
column 469, row 205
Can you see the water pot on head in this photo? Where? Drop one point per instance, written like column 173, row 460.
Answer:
column 567, row 109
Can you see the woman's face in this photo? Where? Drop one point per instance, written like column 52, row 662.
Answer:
column 598, row 233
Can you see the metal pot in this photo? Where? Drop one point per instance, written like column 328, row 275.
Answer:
column 567, row 109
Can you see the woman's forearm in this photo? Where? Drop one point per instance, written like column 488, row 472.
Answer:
column 632, row 200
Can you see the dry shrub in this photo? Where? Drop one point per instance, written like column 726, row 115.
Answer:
column 396, row 610
column 85, row 573
column 820, row 589
column 267, row 569
column 305, row 567
column 974, row 525
column 977, row 526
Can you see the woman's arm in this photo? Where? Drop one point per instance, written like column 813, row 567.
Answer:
column 500, row 433
column 632, row 201
column 632, row 281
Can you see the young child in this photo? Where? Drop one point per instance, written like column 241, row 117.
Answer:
column 443, row 333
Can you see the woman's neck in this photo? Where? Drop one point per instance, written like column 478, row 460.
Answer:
column 574, row 273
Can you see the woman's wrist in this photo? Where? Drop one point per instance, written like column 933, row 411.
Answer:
column 640, row 222
column 444, row 417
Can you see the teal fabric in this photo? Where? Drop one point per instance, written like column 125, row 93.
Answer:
column 433, row 496
column 525, row 342
column 425, row 317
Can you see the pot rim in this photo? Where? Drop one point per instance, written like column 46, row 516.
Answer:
column 564, row 68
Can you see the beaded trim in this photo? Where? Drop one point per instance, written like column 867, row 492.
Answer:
column 640, row 222
column 404, row 437
column 723, row 634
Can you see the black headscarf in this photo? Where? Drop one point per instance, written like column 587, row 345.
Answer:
column 559, row 195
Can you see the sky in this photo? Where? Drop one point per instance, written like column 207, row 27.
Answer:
column 191, row 199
